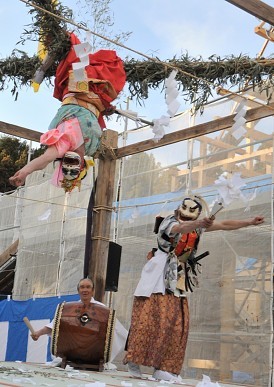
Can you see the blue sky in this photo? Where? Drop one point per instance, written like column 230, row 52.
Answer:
column 159, row 28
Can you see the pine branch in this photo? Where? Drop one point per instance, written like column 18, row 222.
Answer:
column 197, row 77
column 143, row 76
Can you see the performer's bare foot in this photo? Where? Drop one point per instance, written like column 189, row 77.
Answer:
column 18, row 178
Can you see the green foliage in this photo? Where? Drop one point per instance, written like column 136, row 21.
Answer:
column 18, row 69
column 13, row 156
column 197, row 77
column 47, row 29
column 142, row 76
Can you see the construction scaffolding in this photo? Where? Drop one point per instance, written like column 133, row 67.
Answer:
column 231, row 330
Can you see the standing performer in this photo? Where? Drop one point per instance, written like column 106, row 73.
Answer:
column 160, row 316
column 76, row 129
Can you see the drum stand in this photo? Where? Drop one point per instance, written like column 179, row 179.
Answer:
column 83, row 366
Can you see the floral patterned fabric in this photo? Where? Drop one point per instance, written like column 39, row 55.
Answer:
column 171, row 274
column 158, row 332
column 72, row 126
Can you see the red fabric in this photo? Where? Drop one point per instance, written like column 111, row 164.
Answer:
column 61, row 76
column 187, row 243
column 104, row 64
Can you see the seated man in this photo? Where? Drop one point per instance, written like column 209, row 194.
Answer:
column 85, row 289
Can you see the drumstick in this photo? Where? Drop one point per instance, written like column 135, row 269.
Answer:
column 28, row 324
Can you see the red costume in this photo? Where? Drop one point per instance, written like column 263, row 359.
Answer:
column 105, row 72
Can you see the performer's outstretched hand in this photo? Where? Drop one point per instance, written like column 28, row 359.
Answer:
column 18, row 178
column 257, row 220
column 206, row 222
column 50, row 154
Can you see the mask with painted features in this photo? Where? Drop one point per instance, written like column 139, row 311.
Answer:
column 71, row 165
column 190, row 208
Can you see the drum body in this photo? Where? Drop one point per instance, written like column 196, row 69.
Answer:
column 82, row 334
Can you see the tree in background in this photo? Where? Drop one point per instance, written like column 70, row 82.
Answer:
column 13, row 156
column 102, row 22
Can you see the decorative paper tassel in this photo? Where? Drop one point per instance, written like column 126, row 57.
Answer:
column 238, row 128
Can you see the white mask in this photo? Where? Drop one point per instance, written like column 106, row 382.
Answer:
column 71, row 165
column 190, row 209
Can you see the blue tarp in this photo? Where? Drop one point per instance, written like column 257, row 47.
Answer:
column 15, row 341
column 167, row 202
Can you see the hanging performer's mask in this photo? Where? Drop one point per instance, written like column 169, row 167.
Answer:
column 71, row 165
column 190, row 209
column 74, row 169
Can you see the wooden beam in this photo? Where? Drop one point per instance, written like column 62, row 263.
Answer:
column 264, row 33
column 231, row 160
column 171, row 138
column 219, row 144
column 256, row 135
column 102, row 214
column 11, row 250
column 19, row 131
column 256, row 8
column 195, row 131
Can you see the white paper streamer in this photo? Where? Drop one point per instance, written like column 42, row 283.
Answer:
column 82, row 51
column 159, row 127
column 171, row 94
column 238, row 128
column 229, row 187
column 206, row 382
column 172, row 103
column 79, row 74
column 173, row 108
column 239, row 132
column 80, row 65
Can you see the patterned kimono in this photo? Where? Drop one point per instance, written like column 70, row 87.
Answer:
column 160, row 319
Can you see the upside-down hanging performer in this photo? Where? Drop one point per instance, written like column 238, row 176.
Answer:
column 160, row 316
column 76, row 129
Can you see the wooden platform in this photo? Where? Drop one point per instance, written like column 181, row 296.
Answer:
column 18, row 374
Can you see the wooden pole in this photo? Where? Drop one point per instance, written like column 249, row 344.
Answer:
column 19, row 131
column 102, row 213
column 256, row 8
